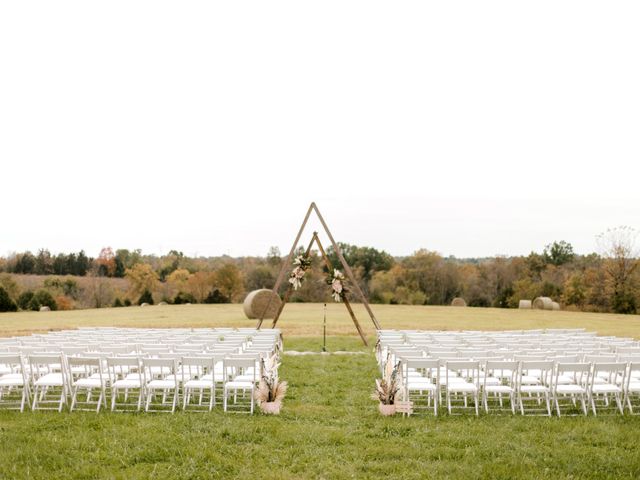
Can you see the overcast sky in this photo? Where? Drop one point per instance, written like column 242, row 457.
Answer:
column 470, row 128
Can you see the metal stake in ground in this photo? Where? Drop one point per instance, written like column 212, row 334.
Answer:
column 324, row 330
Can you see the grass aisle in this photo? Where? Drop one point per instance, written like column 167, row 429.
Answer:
column 329, row 429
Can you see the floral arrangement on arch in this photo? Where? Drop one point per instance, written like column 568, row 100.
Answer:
column 337, row 285
column 300, row 266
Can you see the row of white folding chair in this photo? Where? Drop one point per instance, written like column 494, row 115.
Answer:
column 530, row 380
column 69, row 375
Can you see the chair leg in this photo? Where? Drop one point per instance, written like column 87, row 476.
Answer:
column 35, row 398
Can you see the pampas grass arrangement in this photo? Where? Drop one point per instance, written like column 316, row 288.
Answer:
column 271, row 391
column 389, row 385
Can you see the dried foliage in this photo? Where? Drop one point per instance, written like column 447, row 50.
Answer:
column 270, row 388
column 388, row 386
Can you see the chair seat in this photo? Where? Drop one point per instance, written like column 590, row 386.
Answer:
column 606, row 388
column 50, row 380
column 498, row 389
column 533, row 389
column 164, row 384
column 418, row 385
column 11, row 381
column 634, row 387
column 238, row 384
column 462, row 387
column 127, row 383
column 245, row 378
column 198, row 384
column 570, row 389
column 88, row 383
column 492, row 381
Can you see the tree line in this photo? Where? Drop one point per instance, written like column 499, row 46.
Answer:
column 607, row 281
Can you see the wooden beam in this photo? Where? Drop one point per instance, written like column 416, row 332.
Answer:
column 346, row 267
column 289, row 290
column 344, row 297
column 286, row 264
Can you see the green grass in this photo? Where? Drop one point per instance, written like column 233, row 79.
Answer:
column 329, row 427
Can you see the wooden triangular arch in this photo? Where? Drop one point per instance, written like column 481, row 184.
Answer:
column 347, row 269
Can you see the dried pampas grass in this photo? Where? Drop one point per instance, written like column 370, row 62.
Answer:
column 274, row 392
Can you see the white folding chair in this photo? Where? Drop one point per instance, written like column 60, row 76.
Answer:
column 610, row 383
column 462, row 379
column 127, row 377
column 235, row 379
column 574, row 390
column 161, row 377
column 504, row 374
column 632, row 386
column 86, row 375
column 533, row 385
column 14, row 382
column 198, row 377
column 422, row 383
column 49, row 380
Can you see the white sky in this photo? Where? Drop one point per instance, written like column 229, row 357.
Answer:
column 470, row 128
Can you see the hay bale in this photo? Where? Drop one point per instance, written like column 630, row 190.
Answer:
column 45, row 309
column 524, row 304
column 162, row 303
column 257, row 301
column 458, row 302
column 543, row 303
column 144, row 304
column 555, row 306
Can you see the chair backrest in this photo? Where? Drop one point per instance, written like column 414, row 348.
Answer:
column 578, row 373
column 40, row 365
column 468, row 370
column 235, row 366
column 420, row 363
column 85, row 367
column 13, row 364
column 600, row 358
column 543, row 369
column 196, row 367
column 613, row 372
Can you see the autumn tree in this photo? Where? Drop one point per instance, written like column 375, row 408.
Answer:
column 179, row 279
column 618, row 247
column 106, row 263
column 141, row 277
column 200, row 284
column 229, row 280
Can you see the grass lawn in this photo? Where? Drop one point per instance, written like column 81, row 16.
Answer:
column 329, row 427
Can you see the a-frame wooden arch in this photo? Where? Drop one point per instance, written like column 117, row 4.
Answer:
column 347, row 269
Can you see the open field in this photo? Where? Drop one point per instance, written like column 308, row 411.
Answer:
column 329, row 427
column 306, row 319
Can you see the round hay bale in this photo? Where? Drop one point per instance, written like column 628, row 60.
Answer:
column 257, row 301
column 524, row 304
column 144, row 304
column 163, row 303
column 555, row 306
column 458, row 302
column 543, row 303
column 45, row 309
